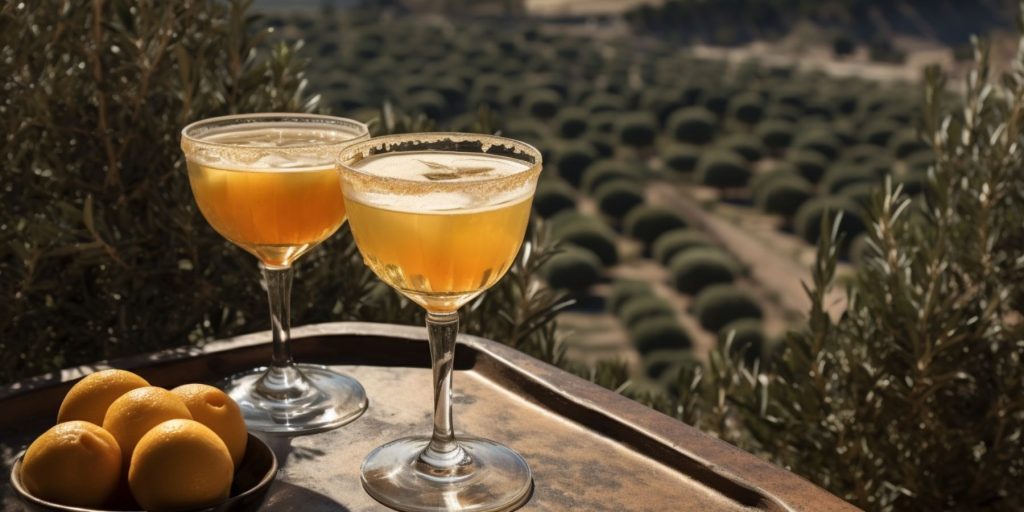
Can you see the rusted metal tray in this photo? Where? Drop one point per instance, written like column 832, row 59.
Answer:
column 590, row 449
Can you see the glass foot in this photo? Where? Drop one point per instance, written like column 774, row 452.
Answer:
column 490, row 477
column 299, row 399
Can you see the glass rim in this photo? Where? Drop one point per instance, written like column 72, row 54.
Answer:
column 360, row 129
column 362, row 148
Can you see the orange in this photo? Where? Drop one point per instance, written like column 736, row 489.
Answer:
column 89, row 398
column 135, row 412
column 215, row 409
column 179, row 465
column 74, row 463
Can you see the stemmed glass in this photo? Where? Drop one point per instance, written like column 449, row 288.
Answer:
column 440, row 217
column 269, row 184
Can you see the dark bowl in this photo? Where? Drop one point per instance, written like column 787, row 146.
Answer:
column 248, row 488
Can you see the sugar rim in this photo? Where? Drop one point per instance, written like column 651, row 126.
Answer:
column 190, row 143
column 361, row 150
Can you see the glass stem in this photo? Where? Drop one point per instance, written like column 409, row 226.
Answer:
column 443, row 452
column 282, row 381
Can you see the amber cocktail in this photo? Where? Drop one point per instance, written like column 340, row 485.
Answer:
column 440, row 217
column 269, row 183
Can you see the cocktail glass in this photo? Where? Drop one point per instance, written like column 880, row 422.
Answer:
column 269, row 184
column 440, row 217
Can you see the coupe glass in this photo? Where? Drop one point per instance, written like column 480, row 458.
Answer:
column 440, row 217
column 269, row 184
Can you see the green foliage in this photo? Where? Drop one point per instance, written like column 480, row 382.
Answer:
column 719, row 304
column 664, row 365
column 699, row 267
column 906, row 142
column 840, row 176
column 623, row 291
column 647, row 223
column 809, row 217
column 810, row 164
column 910, row 400
column 745, row 145
column 594, row 237
column 695, row 125
column 747, row 108
column 573, row 269
column 102, row 250
column 722, row 169
column 617, row 198
column 572, row 122
column 658, row 333
column 573, row 159
column 783, row 195
column 542, row 103
column 645, row 307
column 744, row 337
column 676, row 241
column 552, row 197
column 637, row 129
column 824, row 142
column 680, row 157
column 607, row 170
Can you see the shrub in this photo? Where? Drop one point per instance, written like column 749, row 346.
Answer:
column 695, row 125
column 572, row 269
column 623, row 291
column 428, row 102
column 822, row 141
column 747, row 338
column 747, row 146
column 860, row 250
column 552, row 197
column 637, row 129
column 906, row 142
column 573, row 159
column 913, row 182
column 542, row 103
column 807, row 221
column 775, row 133
column 747, row 108
column 783, row 195
column 676, row 241
column 647, row 223
column 716, row 101
column 602, row 102
column 859, row 193
column 879, row 131
column 661, row 333
column 863, row 153
column 781, row 112
column 722, row 169
column 680, row 157
column 696, row 268
column 842, row 175
column 664, row 365
column 920, row 161
column 779, row 170
column 528, row 130
column 645, row 307
column 603, row 144
column 811, row 165
column 843, row 44
column 594, row 237
column 103, row 252
column 607, row 170
column 572, row 122
column 718, row 305
column 617, row 198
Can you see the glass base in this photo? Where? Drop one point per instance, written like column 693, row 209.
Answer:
column 299, row 399
column 490, row 477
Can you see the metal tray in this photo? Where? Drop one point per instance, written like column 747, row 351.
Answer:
column 590, row 449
